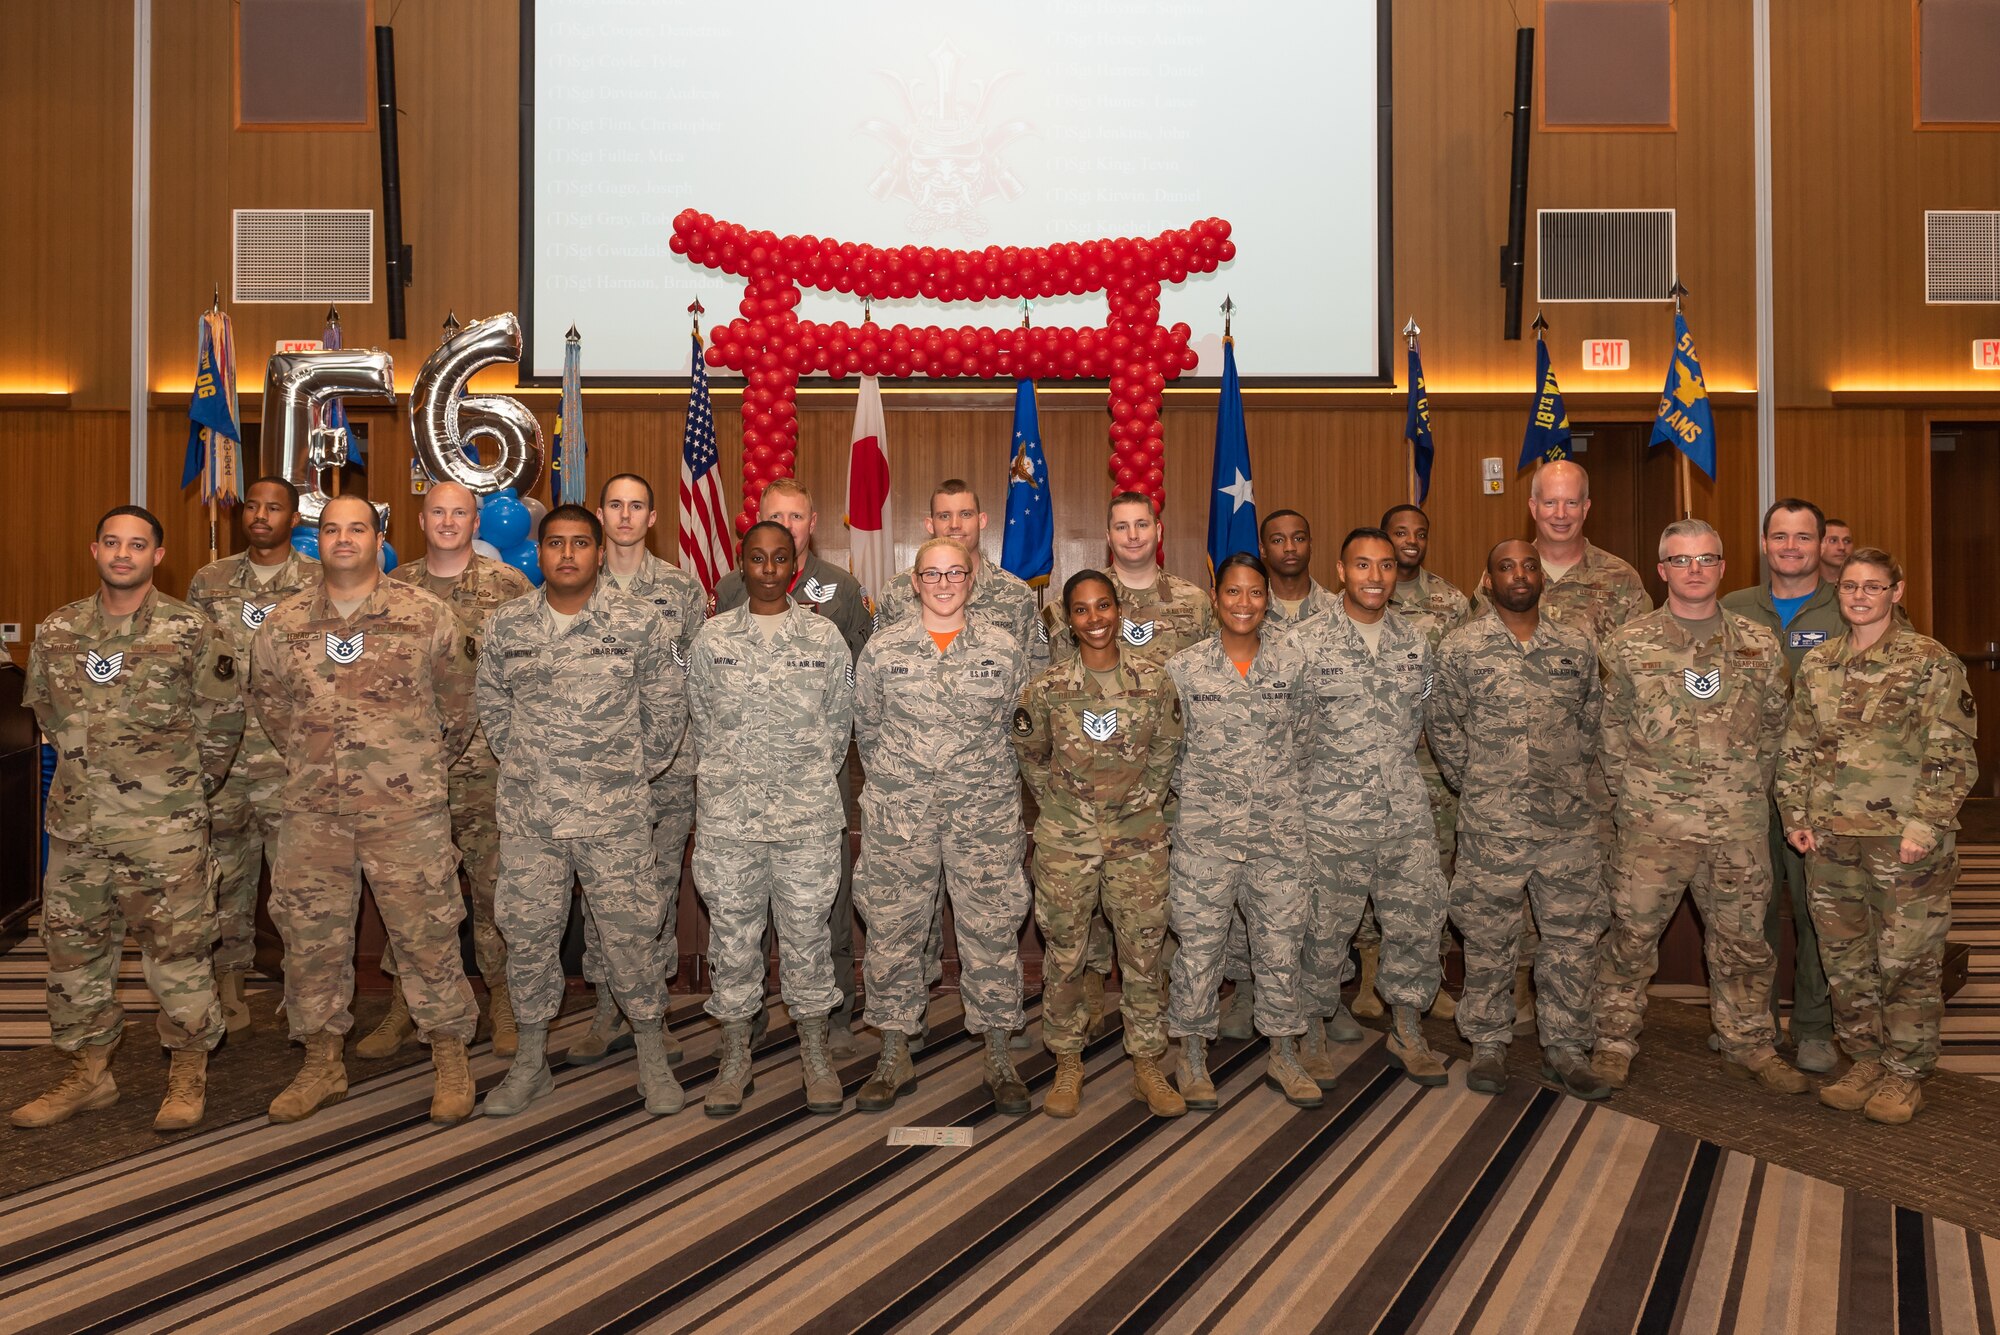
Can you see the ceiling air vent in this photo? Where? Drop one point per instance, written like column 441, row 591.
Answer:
column 315, row 255
column 1604, row 254
column 1961, row 257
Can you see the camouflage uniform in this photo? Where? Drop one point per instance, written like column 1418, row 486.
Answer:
column 1880, row 749
column 581, row 720
column 1099, row 766
column 369, row 711
column 1816, row 622
column 1691, row 732
column 1368, row 818
column 480, row 589
column 678, row 599
column 243, row 817
column 943, row 792
column 835, row 594
column 1512, row 725
column 770, row 720
column 144, row 721
column 1317, row 600
column 1239, row 830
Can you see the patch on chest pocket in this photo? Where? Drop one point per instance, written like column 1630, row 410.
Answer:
column 1702, row 685
column 1100, row 727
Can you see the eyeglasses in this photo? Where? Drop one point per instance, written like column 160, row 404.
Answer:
column 1705, row 560
column 953, row 575
column 1873, row 588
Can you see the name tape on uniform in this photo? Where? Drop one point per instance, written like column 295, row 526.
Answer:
column 950, row 1137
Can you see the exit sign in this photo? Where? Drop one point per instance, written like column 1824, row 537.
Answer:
column 1607, row 354
column 1986, row 354
column 299, row 345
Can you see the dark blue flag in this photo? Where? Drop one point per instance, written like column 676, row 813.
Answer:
column 214, row 439
column 1685, row 416
column 1548, row 421
column 1232, row 503
column 1417, row 426
column 1028, row 548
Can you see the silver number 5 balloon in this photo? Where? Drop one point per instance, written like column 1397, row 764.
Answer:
column 444, row 420
column 299, row 390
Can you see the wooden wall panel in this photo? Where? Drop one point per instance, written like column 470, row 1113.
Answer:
column 1870, row 467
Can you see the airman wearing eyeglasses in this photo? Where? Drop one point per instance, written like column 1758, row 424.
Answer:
column 1694, row 705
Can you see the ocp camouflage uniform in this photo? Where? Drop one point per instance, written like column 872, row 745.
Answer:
column 1099, row 764
column 677, row 597
column 1239, row 830
column 1512, row 726
column 1691, row 732
column 1879, row 750
column 1368, row 818
column 369, row 711
column 480, row 589
column 943, row 793
column 144, row 720
column 581, row 720
column 770, row 719
column 243, row 816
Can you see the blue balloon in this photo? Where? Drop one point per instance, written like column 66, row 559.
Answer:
column 504, row 522
column 305, row 541
column 389, row 558
column 526, row 558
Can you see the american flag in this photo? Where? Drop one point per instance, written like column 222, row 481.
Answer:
column 704, row 522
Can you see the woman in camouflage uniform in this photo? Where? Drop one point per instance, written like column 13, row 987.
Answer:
column 1097, row 736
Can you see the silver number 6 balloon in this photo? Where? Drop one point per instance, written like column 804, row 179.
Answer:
column 299, row 390
column 444, row 420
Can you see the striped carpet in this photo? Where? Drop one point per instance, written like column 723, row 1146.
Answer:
column 1389, row 1209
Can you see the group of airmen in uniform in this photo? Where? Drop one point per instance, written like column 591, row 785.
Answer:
column 1248, row 786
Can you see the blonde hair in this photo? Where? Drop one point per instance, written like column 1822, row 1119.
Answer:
column 787, row 486
column 932, row 544
column 1874, row 556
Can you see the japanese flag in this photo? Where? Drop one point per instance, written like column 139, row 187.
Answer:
column 871, row 545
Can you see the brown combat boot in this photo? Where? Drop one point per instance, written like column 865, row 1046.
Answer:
column 823, row 1091
column 187, row 1091
column 1284, row 1074
column 87, row 1087
column 1407, row 1048
column 1772, row 1072
column 506, row 1033
column 229, row 995
column 1614, row 1068
column 608, row 1033
column 1852, row 1091
column 732, row 1081
column 675, row 1053
column 1488, row 1072
column 1366, row 1004
column 322, row 1080
column 1895, row 1101
column 1444, row 1006
column 893, row 1075
column 452, row 1096
column 1313, row 1055
column 1150, row 1087
column 1197, row 1089
column 1239, row 1018
column 1010, row 1095
column 396, row 1031
column 1065, row 1097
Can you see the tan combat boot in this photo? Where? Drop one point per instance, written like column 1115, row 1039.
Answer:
column 506, row 1033
column 396, row 1031
column 1313, row 1056
column 452, row 1096
column 823, row 1091
column 675, row 1053
column 1366, row 1004
column 1093, row 1002
column 1065, row 1096
column 1150, row 1087
column 322, row 1080
column 229, row 995
column 1284, row 1074
column 1488, row 1072
column 1852, row 1091
column 1895, row 1101
column 528, row 1079
column 732, row 1081
column 893, row 1074
column 1010, row 1095
column 187, row 1091
column 1444, row 1006
column 1772, row 1072
column 1239, row 1018
column 662, row 1092
column 1407, row 1048
column 608, row 1033
column 1197, row 1089
column 1524, row 997
column 87, row 1087
column 1611, row 1066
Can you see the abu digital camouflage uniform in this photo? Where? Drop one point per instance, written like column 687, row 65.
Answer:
column 1099, row 765
column 144, row 720
column 998, row 599
column 943, row 793
column 243, row 817
column 582, row 720
column 369, row 712
column 770, row 720
column 479, row 591
column 1817, row 621
column 833, row 593
column 1439, row 599
column 1368, row 817
column 677, row 597
column 1512, row 726
column 1239, row 830
column 1691, row 732
column 1601, row 592
column 1316, row 601
column 1879, row 750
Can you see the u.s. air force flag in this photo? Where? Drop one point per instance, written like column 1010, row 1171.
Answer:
column 1028, row 548
column 1685, row 417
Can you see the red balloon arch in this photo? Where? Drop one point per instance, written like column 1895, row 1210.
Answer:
column 772, row 347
